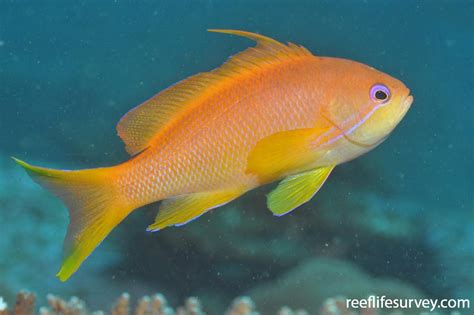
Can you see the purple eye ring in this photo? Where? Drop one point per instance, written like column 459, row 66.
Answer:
column 380, row 93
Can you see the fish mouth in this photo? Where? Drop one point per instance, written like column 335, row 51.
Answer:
column 408, row 101
column 406, row 104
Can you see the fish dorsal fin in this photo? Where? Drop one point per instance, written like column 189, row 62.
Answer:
column 141, row 125
column 268, row 51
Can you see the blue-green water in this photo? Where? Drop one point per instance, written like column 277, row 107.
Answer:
column 69, row 71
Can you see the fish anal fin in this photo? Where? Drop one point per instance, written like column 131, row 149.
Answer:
column 183, row 209
column 285, row 152
column 296, row 190
column 141, row 125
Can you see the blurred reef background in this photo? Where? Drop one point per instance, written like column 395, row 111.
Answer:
column 398, row 221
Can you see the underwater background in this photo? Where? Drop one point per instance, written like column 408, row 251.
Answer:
column 398, row 221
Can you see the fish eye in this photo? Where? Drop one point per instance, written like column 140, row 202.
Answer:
column 380, row 93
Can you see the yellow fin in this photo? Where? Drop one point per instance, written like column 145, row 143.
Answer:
column 181, row 210
column 295, row 190
column 284, row 152
column 141, row 125
column 95, row 208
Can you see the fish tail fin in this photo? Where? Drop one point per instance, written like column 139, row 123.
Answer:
column 95, row 208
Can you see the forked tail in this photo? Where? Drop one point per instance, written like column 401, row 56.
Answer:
column 95, row 208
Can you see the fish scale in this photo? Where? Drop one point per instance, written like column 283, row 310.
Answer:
column 242, row 125
column 271, row 112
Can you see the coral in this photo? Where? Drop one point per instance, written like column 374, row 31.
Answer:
column 337, row 306
column 154, row 305
column 25, row 303
column 242, row 306
column 285, row 310
column 122, row 306
column 157, row 305
column 192, row 306
column 74, row 306
column 3, row 307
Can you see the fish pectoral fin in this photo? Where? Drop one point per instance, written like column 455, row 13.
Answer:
column 284, row 152
column 181, row 210
column 296, row 190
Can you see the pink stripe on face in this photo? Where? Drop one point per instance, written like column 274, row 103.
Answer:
column 364, row 119
column 343, row 133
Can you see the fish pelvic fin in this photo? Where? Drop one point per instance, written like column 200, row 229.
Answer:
column 95, row 208
column 296, row 190
column 181, row 210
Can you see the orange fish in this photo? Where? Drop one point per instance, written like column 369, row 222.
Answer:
column 271, row 112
